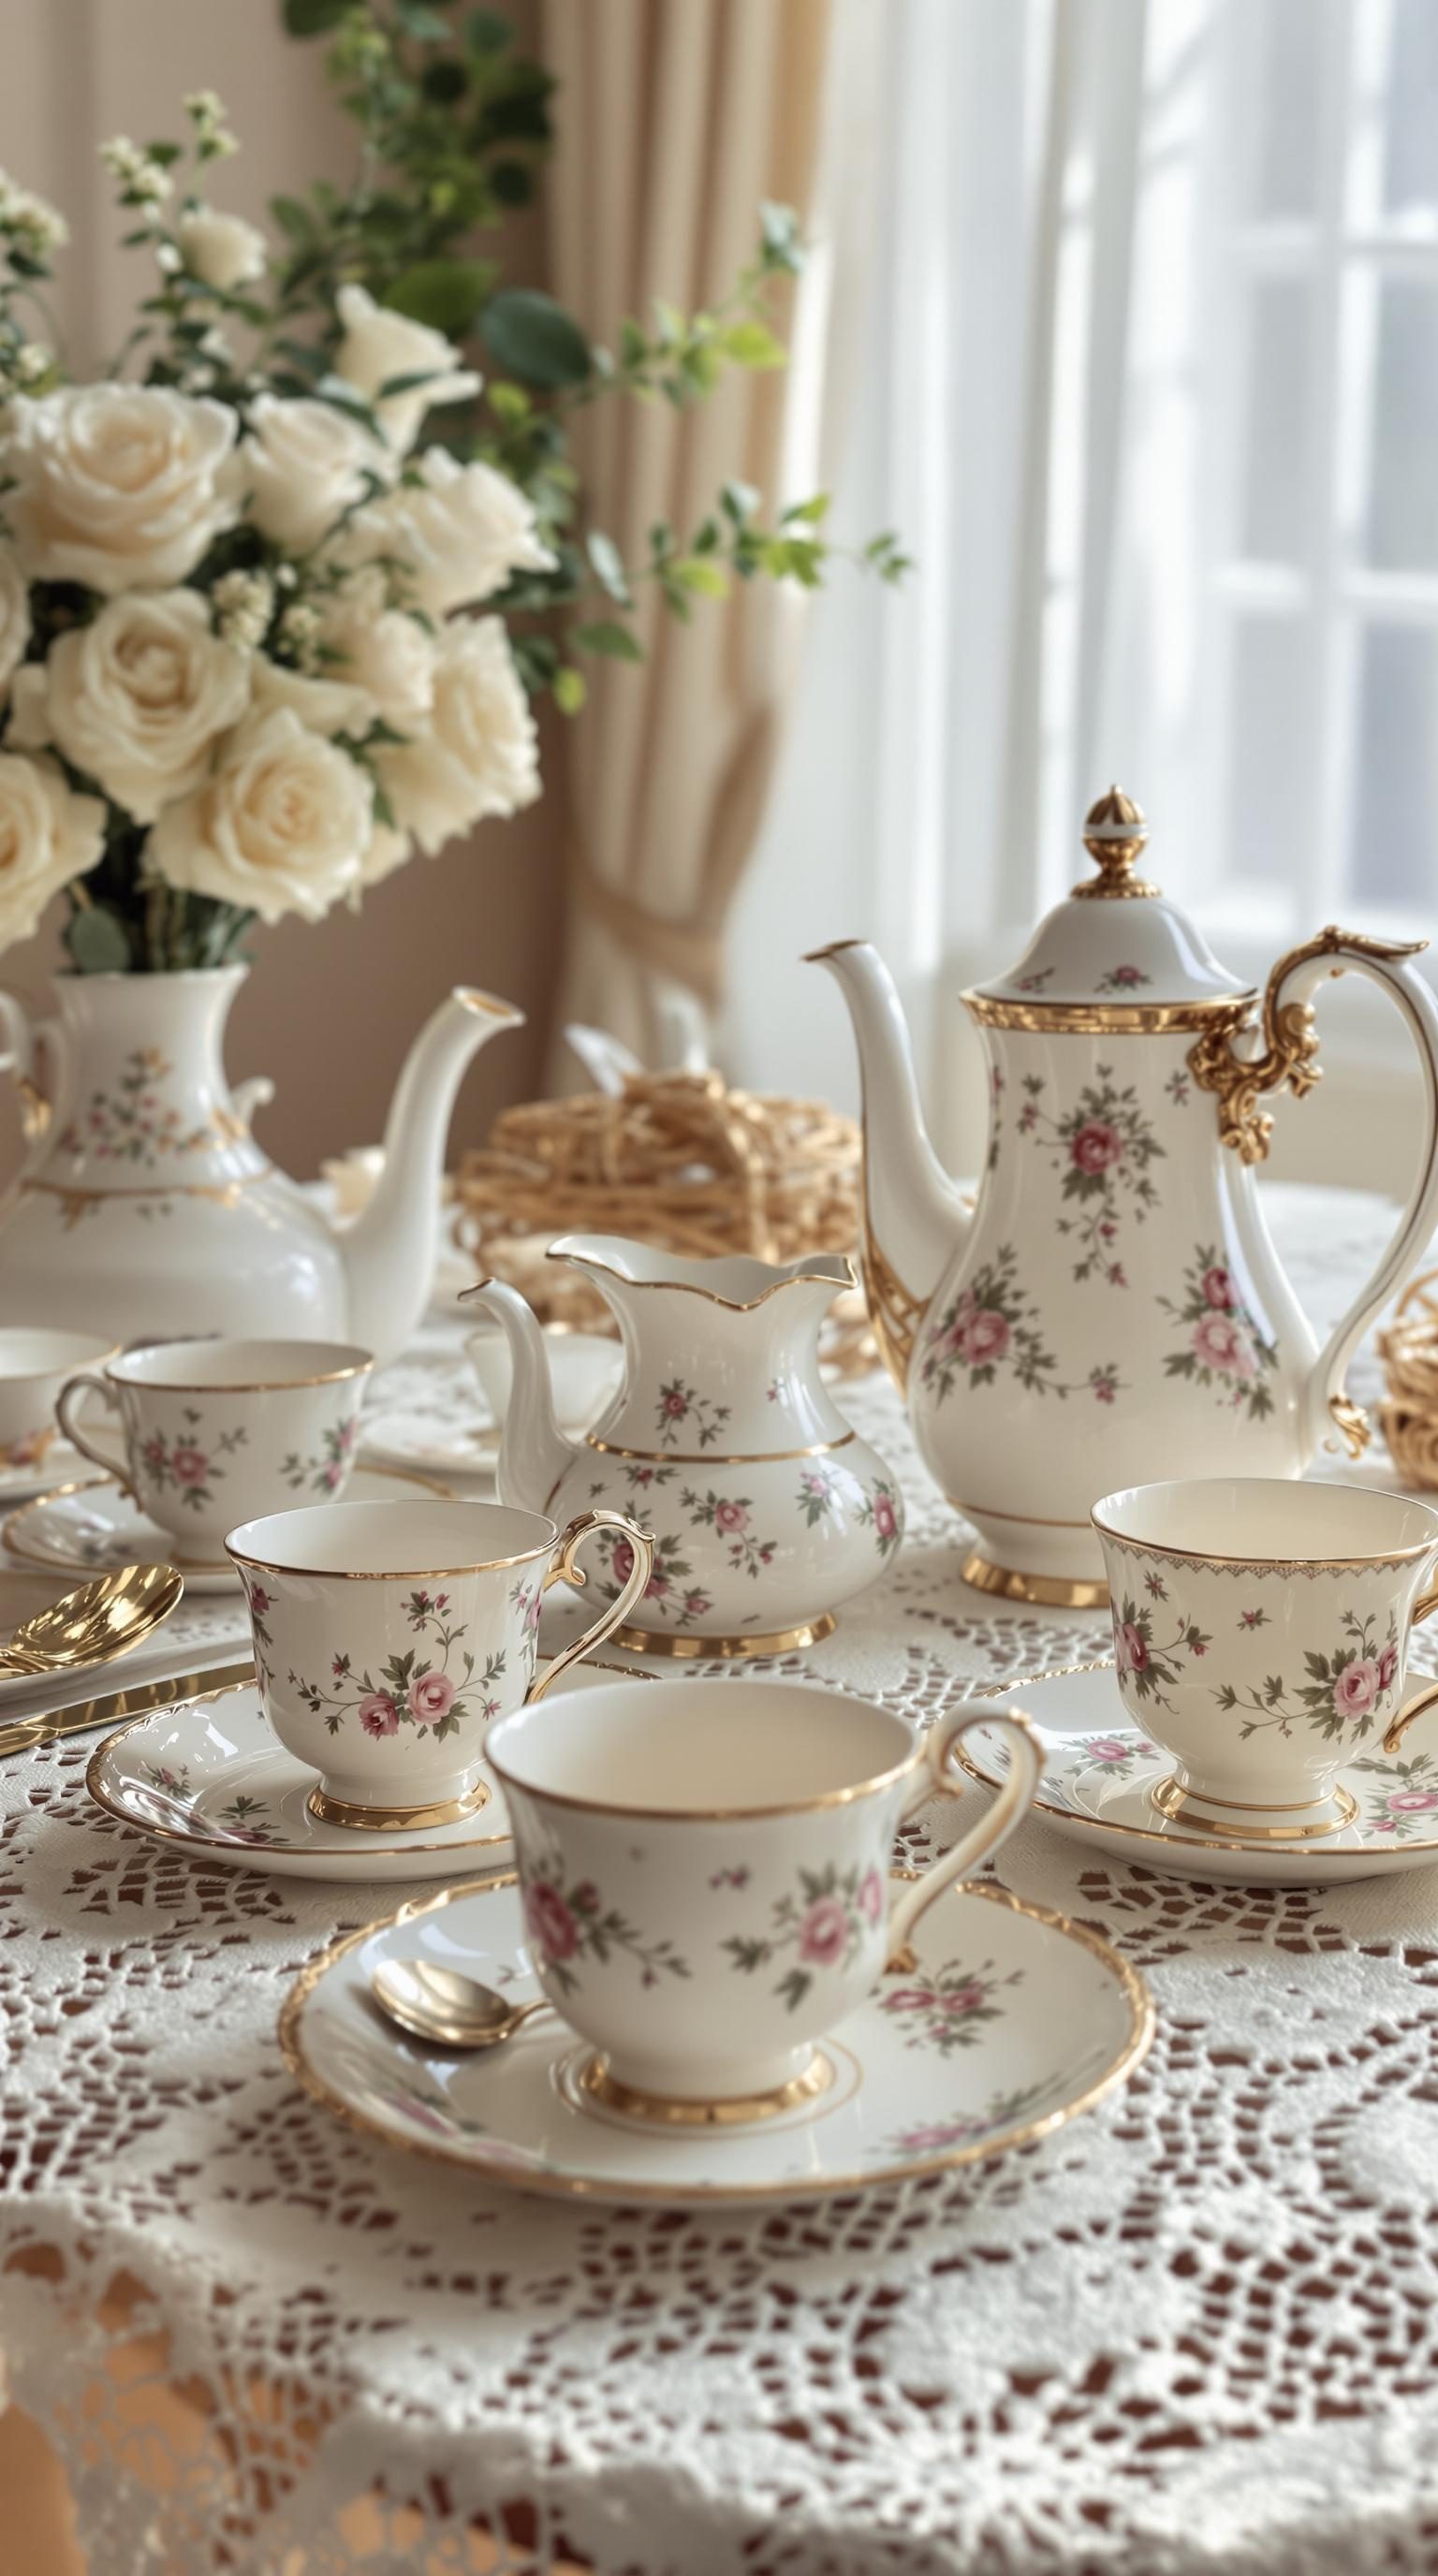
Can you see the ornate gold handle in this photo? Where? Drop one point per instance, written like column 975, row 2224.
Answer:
column 1290, row 1042
column 563, row 1569
column 1423, row 1608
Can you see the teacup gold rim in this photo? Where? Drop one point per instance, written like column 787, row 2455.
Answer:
column 398, row 1573
column 846, row 1797
column 99, row 1359
column 1132, row 1986
column 111, row 1368
column 1381, row 1558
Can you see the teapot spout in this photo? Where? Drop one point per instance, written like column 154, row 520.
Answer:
column 912, row 1217
column 533, row 1453
column 390, row 1249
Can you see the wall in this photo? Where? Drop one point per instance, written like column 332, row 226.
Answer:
column 329, row 1010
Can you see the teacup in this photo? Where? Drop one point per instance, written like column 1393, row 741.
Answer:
column 34, row 1365
column 1261, row 1637
column 705, row 1875
column 388, row 1635
column 585, row 1370
column 216, row 1430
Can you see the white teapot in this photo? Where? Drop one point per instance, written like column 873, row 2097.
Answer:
column 1112, row 1308
column 145, row 1207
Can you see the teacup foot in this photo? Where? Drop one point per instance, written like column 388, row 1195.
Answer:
column 779, row 1641
column 395, row 1820
column 596, row 2089
column 1200, row 1812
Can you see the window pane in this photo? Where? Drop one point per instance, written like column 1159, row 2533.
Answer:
column 1277, row 483
column 1271, row 771
column 1410, row 111
column 1285, row 43
column 1393, row 828
column 1403, row 488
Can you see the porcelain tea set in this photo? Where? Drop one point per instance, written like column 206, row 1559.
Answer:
column 688, row 1973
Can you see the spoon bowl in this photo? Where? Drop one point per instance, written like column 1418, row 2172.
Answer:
column 444, row 2005
column 95, row 1622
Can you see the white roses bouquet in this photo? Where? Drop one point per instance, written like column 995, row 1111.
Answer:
column 241, row 672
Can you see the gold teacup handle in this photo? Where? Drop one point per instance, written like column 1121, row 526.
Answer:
column 563, row 1569
column 993, row 1828
column 1423, row 1608
column 74, row 1387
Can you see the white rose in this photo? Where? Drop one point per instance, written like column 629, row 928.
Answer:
column 47, row 836
column 118, row 486
column 463, row 529
column 387, row 851
column 221, row 250
column 323, row 706
column 378, row 344
column 281, row 825
column 480, row 755
column 138, row 698
column 14, row 617
column 303, row 464
column 384, row 651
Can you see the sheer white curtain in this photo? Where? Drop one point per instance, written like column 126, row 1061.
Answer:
column 1147, row 374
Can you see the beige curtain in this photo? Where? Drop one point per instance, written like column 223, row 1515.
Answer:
column 677, row 117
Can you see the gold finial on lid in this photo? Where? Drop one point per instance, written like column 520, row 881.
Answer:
column 1114, row 832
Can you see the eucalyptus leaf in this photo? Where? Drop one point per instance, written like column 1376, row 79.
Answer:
column 97, row 941
column 605, row 635
column 532, row 337
column 445, row 293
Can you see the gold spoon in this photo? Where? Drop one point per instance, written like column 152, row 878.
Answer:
column 96, row 1621
column 444, row 2005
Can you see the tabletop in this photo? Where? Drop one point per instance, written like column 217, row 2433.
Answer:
column 1195, row 2329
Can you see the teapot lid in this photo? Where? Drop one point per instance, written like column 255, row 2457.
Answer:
column 1114, row 944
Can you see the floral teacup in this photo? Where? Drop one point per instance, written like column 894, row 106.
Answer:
column 705, row 1868
column 1261, row 1637
column 388, row 1635
column 217, row 1430
column 34, row 1365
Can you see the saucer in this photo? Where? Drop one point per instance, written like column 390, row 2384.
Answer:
column 1099, row 1772
column 465, row 1444
column 1009, row 2022
column 88, row 1527
column 58, row 1459
column 207, row 1774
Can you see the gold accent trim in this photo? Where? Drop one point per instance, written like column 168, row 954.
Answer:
column 1169, row 1799
column 1307, row 1565
column 224, row 1193
column 1114, row 833
column 1351, row 1421
column 1048, row 1591
column 487, row 1005
column 1290, row 1043
column 395, row 1820
column 234, row 1386
column 1139, row 2040
column 396, row 1573
column 713, row 1458
column 780, row 1641
column 669, row 2111
column 1218, row 1014
column 1030, row 1520
column 559, row 1251
column 36, row 1111
column 79, row 1717
column 196, row 1565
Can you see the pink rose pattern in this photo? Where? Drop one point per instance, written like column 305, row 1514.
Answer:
column 974, row 2129
column 1102, row 1148
column 1223, row 1346
column 683, row 1416
column 990, row 1323
column 133, row 1123
column 816, row 1928
column 1148, row 1665
column 190, row 1464
column 1344, row 1692
column 1403, row 1804
column 433, row 1688
column 325, row 1472
column 571, row 1926
column 948, row 2008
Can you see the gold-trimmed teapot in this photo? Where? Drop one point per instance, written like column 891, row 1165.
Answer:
column 1112, row 1307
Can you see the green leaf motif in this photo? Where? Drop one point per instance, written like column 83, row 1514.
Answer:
column 532, row 337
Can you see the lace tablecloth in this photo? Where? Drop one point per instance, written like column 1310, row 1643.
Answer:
column 1195, row 2330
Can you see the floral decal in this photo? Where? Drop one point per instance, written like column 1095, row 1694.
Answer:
column 1404, row 1803
column 1103, row 1147
column 410, row 1689
column 132, row 1123
column 819, row 1927
column 1223, row 1346
column 933, row 2137
column 818, row 1494
column 1035, row 982
column 949, row 2008
column 992, row 1323
column 641, row 1477
column 678, row 1600
column 729, row 1515
column 176, row 1783
column 882, row 1511
column 189, row 1464
column 1179, row 1087
column 528, row 1600
column 325, row 1472
column 29, row 1449
column 1343, row 1694
column 682, row 1413
column 1113, row 1754
column 1122, row 979
column 1149, row 1666
column 571, row 1924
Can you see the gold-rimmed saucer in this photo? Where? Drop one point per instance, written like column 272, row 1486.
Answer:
column 1007, row 2022
column 1104, row 1785
column 93, row 1524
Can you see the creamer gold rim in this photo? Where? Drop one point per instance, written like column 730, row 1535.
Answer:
column 617, row 1807
column 1110, row 1019
column 550, row 2184
column 793, row 1278
column 778, row 1641
column 228, row 1386
column 717, row 1458
column 1382, row 1559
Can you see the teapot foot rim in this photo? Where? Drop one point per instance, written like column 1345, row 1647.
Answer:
column 1044, row 1591
column 779, row 1641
